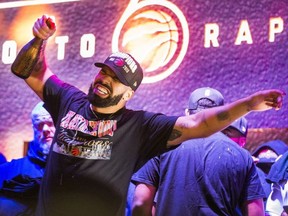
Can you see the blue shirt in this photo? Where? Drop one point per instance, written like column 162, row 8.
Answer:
column 209, row 176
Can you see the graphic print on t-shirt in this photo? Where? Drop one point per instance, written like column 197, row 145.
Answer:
column 82, row 138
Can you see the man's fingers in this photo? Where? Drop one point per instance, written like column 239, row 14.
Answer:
column 41, row 29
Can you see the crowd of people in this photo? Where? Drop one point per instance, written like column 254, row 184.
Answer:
column 193, row 164
column 199, row 176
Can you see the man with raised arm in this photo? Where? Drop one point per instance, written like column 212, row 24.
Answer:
column 100, row 143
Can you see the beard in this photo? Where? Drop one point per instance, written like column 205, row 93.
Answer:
column 97, row 101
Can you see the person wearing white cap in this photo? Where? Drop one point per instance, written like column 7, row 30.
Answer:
column 207, row 176
column 99, row 142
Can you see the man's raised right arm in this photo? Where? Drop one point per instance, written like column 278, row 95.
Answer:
column 43, row 28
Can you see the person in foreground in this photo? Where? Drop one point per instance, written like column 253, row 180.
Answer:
column 20, row 179
column 100, row 143
column 206, row 176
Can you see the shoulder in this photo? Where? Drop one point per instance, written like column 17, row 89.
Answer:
column 14, row 162
column 56, row 85
column 223, row 145
column 150, row 117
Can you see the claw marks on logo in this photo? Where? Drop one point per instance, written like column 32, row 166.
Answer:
column 119, row 62
column 119, row 59
column 75, row 151
column 73, row 121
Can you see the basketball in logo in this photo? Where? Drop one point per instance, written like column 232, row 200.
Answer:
column 156, row 35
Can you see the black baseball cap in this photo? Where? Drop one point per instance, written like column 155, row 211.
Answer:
column 205, row 92
column 240, row 125
column 126, row 68
column 277, row 146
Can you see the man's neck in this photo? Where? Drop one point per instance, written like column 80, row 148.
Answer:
column 107, row 110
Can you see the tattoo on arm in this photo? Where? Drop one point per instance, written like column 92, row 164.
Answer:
column 174, row 135
column 221, row 116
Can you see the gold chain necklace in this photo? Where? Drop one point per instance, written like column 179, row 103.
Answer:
column 98, row 118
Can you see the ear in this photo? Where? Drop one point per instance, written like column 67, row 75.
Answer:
column 128, row 95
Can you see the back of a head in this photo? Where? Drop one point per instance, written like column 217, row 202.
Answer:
column 268, row 152
column 237, row 131
column 203, row 98
column 241, row 125
column 277, row 146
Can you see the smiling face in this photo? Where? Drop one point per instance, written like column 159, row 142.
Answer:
column 107, row 90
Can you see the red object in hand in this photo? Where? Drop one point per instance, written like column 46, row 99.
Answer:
column 29, row 55
column 50, row 23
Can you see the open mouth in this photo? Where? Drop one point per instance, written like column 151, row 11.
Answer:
column 101, row 90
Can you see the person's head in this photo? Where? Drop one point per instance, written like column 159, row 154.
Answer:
column 204, row 98
column 118, row 79
column 43, row 128
column 268, row 152
column 237, row 131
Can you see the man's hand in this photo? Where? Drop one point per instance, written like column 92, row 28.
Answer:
column 44, row 27
column 265, row 100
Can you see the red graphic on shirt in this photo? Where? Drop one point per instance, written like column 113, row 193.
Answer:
column 75, row 151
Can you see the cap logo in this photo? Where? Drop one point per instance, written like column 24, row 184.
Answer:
column 131, row 65
column 207, row 92
column 118, row 62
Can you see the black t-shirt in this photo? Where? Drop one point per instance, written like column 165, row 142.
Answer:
column 93, row 156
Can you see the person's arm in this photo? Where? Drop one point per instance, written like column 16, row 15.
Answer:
column 209, row 121
column 40, row 72
column 253, row 208
column 143, row 200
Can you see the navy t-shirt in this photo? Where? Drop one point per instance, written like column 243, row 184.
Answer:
column 209, row 176
column 93, row 156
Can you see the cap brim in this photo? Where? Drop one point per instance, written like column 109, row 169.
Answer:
column 235, row 128
column 118, row 74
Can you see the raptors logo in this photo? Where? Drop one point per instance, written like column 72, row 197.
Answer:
column 75, row 151
column 156, row 33
column 119, row 62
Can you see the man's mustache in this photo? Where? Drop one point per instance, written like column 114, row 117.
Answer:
column 103, row 84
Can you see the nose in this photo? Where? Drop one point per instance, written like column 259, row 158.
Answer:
column 47, row 129
column 106, row 78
